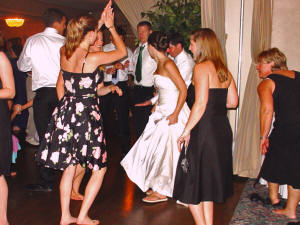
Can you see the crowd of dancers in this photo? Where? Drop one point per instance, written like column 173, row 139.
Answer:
column 184, row 140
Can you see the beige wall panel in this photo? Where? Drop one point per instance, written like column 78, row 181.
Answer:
column 232, row 29
column 286, row 30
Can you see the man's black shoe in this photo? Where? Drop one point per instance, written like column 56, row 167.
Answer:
column 38, row 187
column 294, row 223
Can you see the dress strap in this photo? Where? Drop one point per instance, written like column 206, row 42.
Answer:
column 84, row 61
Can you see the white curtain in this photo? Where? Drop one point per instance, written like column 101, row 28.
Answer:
column 132, row 10
column 247, row 157
column 213, row 17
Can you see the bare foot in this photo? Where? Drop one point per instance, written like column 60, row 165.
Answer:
column 76, row 196
column 285, row 212
column 68, row 220
column 87, row 221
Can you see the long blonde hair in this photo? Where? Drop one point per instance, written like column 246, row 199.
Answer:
column 76, row 30
column 209, row 48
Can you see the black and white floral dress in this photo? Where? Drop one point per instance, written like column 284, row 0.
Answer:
column 75, row 132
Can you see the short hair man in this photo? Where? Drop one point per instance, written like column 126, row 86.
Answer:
column 41, row 56
column 182, row 59
column 143, row 69
column 117, row 74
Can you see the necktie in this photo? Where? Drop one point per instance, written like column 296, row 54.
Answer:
column 115, row 77
column 138, row 69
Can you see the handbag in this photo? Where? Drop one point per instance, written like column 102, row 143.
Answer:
column 184, row 162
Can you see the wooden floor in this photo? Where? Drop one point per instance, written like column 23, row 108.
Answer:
column 118, row 202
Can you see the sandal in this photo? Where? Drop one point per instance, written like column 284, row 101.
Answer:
column 154, row 198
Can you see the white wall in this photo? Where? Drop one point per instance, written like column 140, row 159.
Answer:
column 232, row 29
column 286, row 30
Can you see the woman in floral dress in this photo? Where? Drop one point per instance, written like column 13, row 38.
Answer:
column 75, row 132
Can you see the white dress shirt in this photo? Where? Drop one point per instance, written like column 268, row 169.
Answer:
column 185, row 64
column 41, row 56
column 148, row 66
column 122, row 74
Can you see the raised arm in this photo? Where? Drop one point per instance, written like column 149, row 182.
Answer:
column 101, row 58
column 6, row 77
column 265, row 92
column 174, row 75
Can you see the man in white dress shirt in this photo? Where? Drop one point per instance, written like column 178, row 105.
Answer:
column 117, row 74
column 143, row 69
column 41, row 56
column 182, row 59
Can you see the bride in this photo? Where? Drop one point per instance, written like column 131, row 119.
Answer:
column 151, row 162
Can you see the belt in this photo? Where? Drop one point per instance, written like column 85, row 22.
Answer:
column 119, row 82
column 45, row 89
column 140, row 86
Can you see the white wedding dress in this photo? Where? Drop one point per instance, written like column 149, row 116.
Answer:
column 152, row 161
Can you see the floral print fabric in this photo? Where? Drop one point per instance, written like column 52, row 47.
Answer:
column 75, row 132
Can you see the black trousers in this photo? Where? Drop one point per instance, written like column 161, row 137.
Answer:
column 113, row 101
column 141, row 114
column 44, row 103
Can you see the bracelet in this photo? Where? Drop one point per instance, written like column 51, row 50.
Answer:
column 111, row 27
column 262, row 137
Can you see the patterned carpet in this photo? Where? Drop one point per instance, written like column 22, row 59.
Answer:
column 254, row 213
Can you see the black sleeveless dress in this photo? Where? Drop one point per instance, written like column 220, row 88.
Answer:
column 5, row 138
column 282, row 160
column 75, row 132
column 209, row 154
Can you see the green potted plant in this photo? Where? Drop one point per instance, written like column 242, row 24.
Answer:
column 170, row 16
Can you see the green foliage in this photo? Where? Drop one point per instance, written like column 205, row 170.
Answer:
column 170, row 16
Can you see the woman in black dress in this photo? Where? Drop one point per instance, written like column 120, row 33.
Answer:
column 7, row 91
column 207, row 134
column 19, row 116
column 75, row 132
column 279, row 92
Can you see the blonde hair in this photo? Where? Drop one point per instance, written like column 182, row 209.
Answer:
column 76, row 30
column 209, row 48
column 273, row 55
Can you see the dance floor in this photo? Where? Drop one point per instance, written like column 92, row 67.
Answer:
column 118, row 202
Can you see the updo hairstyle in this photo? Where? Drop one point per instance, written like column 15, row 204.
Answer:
column 159, row 41
column 77, row 28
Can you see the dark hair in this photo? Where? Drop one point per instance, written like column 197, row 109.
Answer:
column 176, row 38
column 51, row 16
column 76, row 30
column 145, row 23
column 159, row 41
column 16, row 45
column 120, row 31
